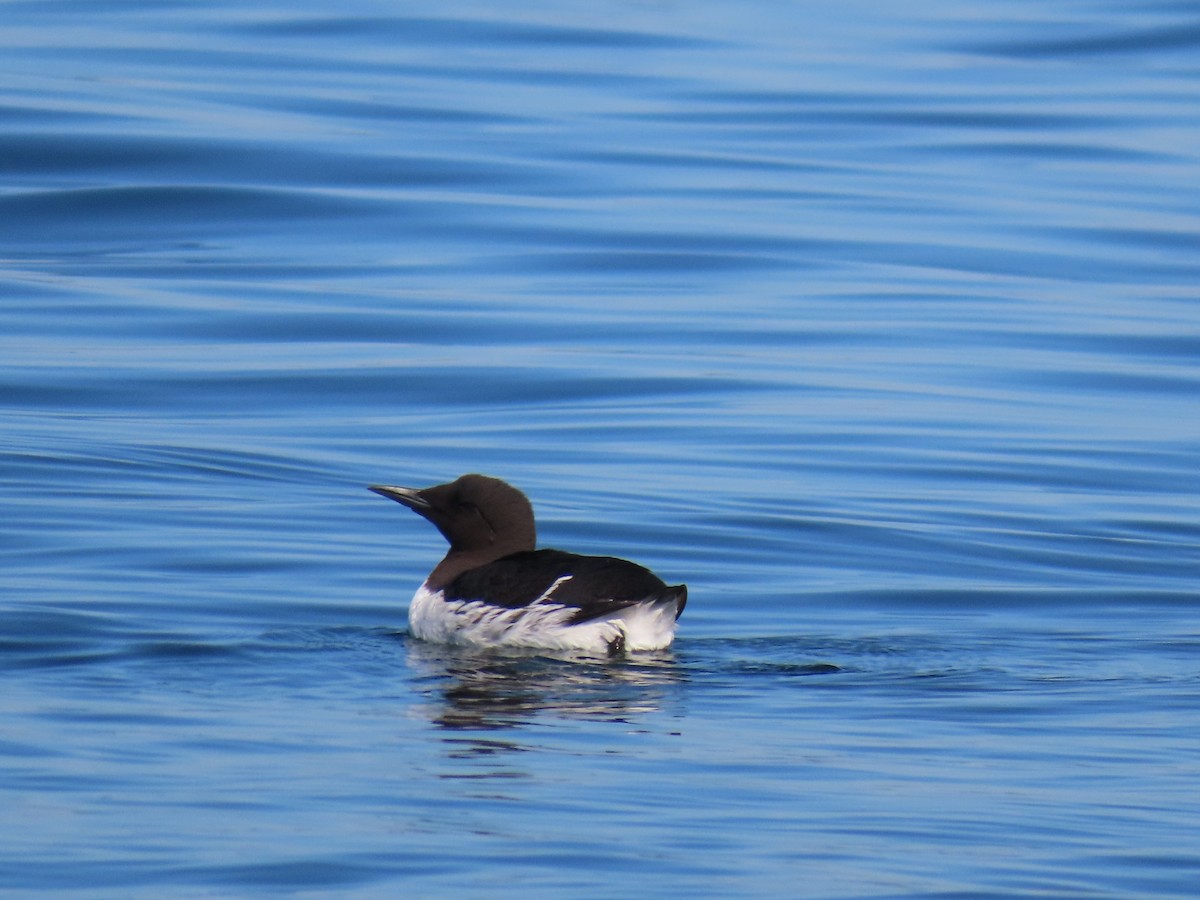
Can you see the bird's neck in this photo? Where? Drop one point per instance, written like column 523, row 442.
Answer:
column 455, row 562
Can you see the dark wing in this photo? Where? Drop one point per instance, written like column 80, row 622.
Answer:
column 598, row 584
column 674, row 597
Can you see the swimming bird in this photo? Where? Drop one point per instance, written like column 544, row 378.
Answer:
column 495, row 589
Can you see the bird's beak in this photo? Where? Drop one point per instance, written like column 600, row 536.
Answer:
column 410, row 497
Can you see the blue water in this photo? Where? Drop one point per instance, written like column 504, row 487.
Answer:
column 877, row 324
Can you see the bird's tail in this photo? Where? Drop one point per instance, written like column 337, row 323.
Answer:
column 675, row 596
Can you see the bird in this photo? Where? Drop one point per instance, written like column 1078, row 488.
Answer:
column 495, row 589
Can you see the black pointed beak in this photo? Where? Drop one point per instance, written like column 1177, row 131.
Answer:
column 410, row 497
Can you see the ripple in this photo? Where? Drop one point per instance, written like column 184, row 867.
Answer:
column 130, row 211
column 1182, row 35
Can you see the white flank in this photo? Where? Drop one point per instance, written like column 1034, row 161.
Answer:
column 648, row 626
column 541, row 625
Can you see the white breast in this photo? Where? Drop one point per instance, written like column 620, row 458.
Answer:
column 542, row 624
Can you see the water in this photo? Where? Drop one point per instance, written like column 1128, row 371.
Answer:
column 876, row 325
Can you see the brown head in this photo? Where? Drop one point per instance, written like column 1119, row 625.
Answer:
column 482, row 518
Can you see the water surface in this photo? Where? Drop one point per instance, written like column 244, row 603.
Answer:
column 876, row 326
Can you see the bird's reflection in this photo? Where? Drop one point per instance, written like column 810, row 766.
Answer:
column 492, row 691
